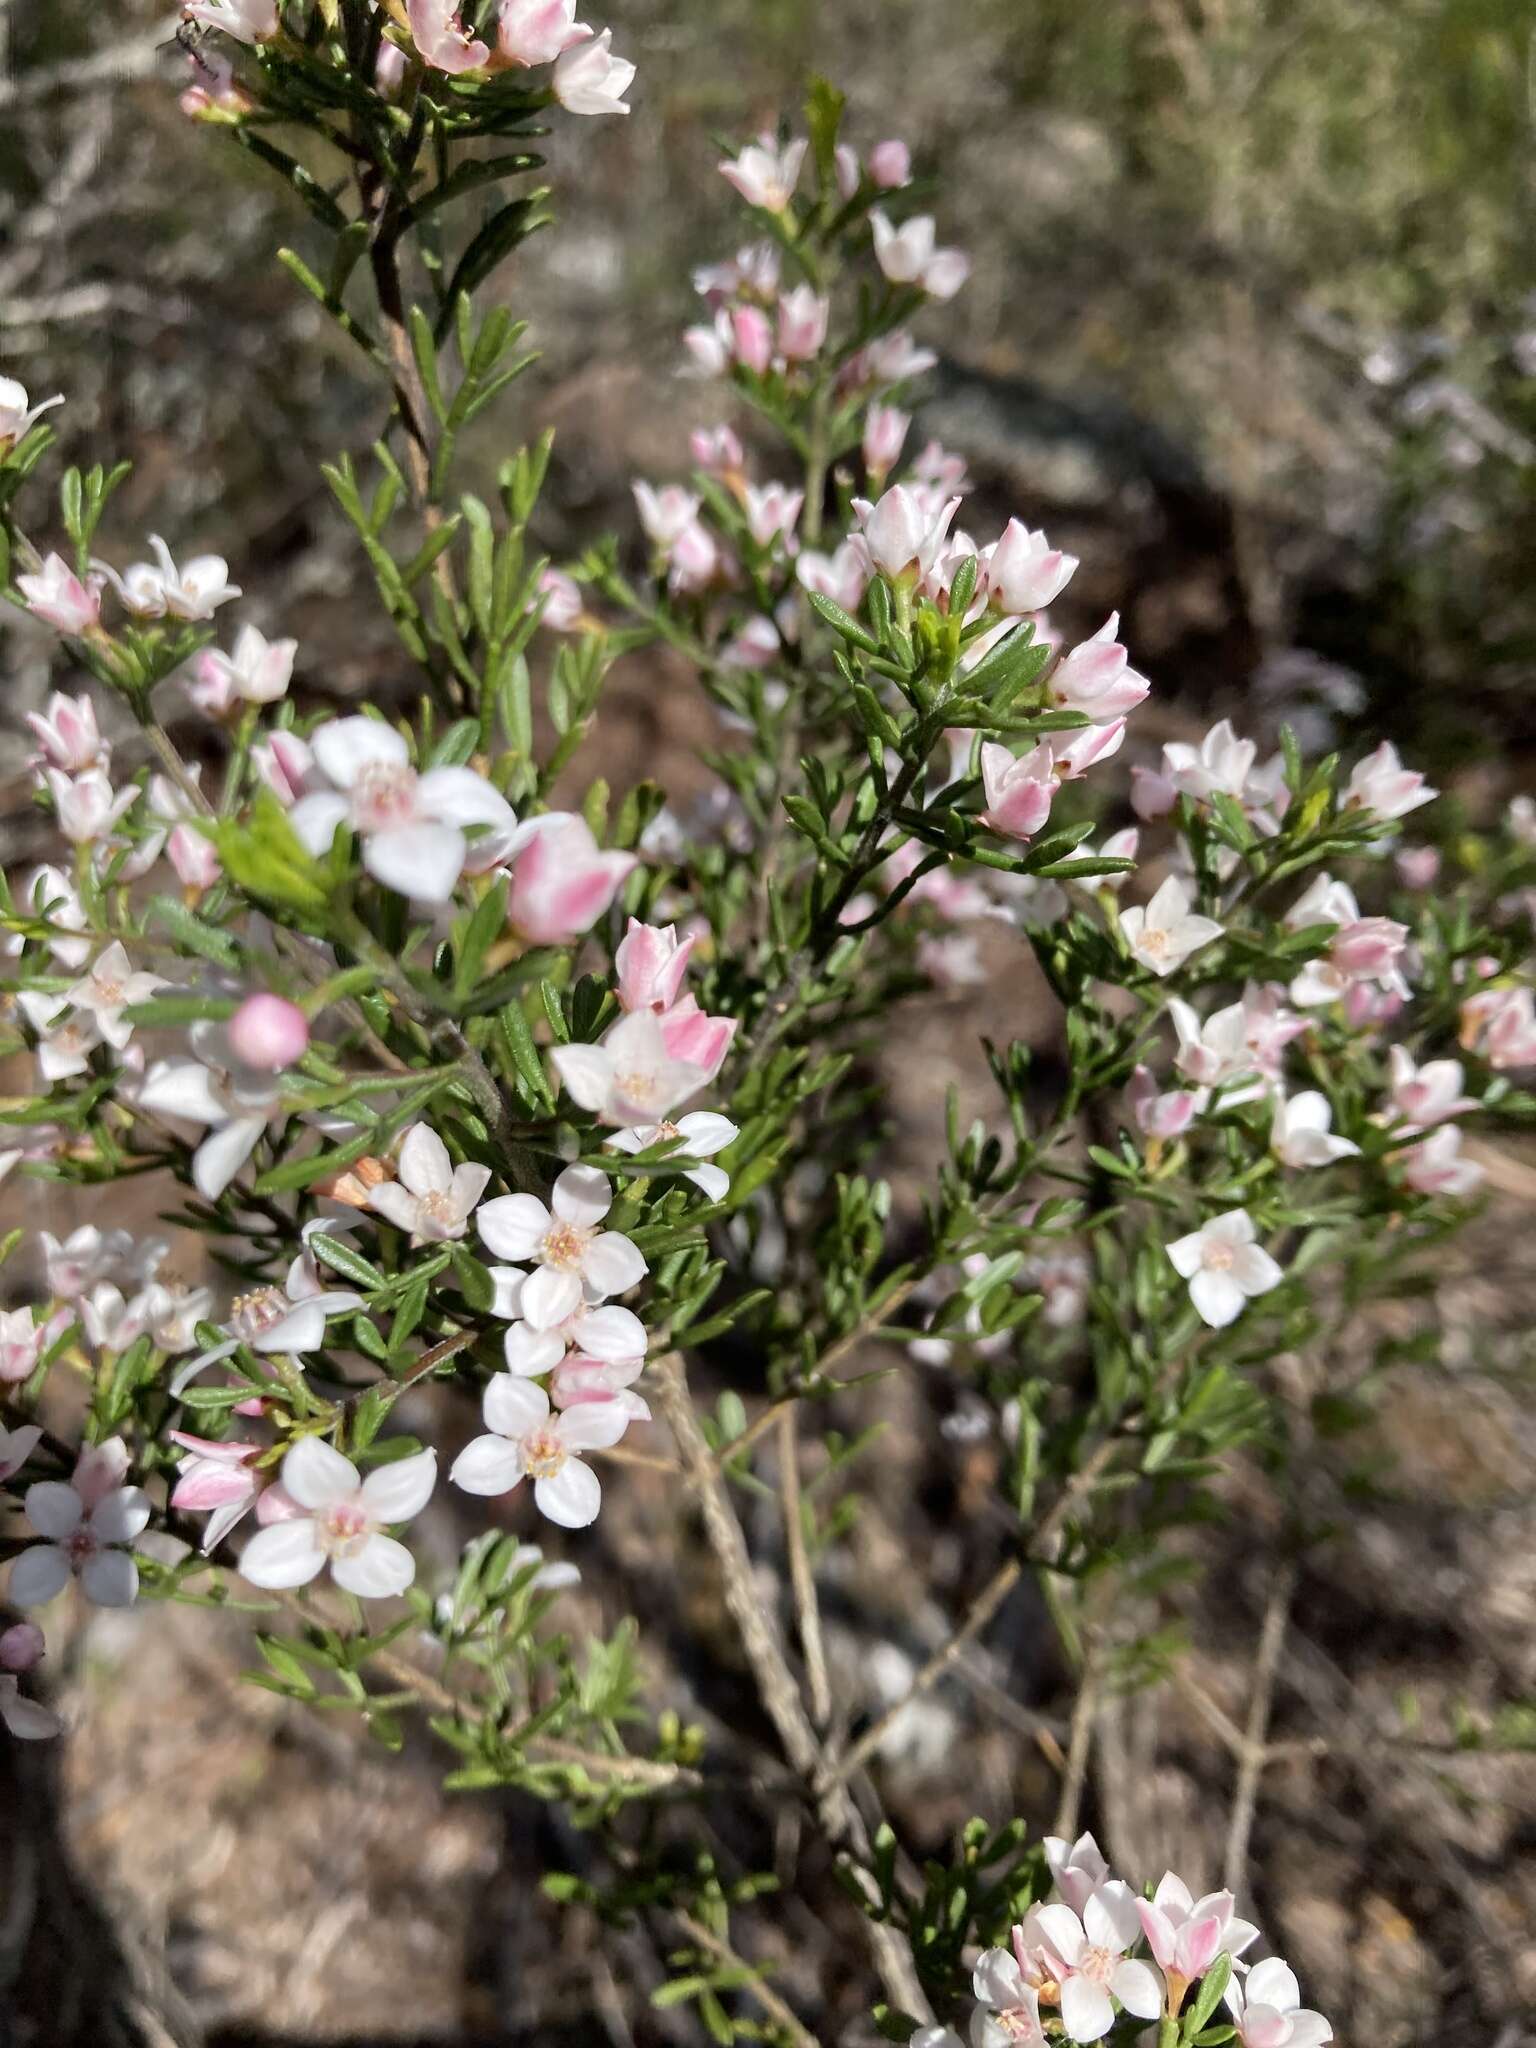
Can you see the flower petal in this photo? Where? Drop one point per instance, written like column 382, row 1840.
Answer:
column 121, row 1516
column 611, row 1334
column 346, row 746
column 550, row 1297
column 583, row 1195
column 1138, row 1989
column 315, row 1474
column 425, row 1166
column 222, row 1154
column 512, row 1226
column 53, row 1509
column 38, row 1575
column 420, row 861
column 572, row 1497
column 382, row 1567
column 512, row 1406
column 487, row 1465
column 282, row 1555
column 1217, row 1298
column 396, row 1492
column 592, row 1425
column 612, row 1265
column 110, row 1579
column 530, row 1352
column 1086, row 2012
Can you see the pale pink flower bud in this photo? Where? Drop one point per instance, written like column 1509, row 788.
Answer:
column 1418, row 867
column 1096, row 677
column 193, row 857
column 589, row 79
column 1152, row 793
column 901, row 534
column 1024, row 572
column 268, row 1033
column 67, row 733
column 696, row 1039
column 1087, row 748
column 285, row 763
column 709, row 348
column 885, row 433
column 257, row 672
column 1427, row 1094
column 651, row 962
column 1369, row 950
column 442, row 39
column 1019, row 791
column 1504, row 1021
column 562, row 601
column 696, row 561
column 752, row 338
column 717, row 450
column 845, row 169
column 894, row 358
column 665, row 514
column 562, row 881
column 771, row 510
column 389, row 69
column 803, row 315
column 1166, row 1115
column 1435, row 1166
column 890, row 165
column 56, row 595
column 1383, row 786
column 764, row 174
column 532, row 32
column 87, row 805
column 21, row 1647
column 843, row 576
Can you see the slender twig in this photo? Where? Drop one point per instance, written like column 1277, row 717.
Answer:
column 839, row 1818
column 756, row 1986
column 801, row 1577
column 1079, row 1746
column 1254, row 1755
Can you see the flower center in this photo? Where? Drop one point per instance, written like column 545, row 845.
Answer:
column 110, row 993
column 439, row 1204
column 343, row 1528
column 640, row 1088
column 384, row 795
column 80, row 1545
column 1097, row 1965
column 564, row 1246
column 1017, row 2022
column 1155, row 942
column 543, row 1454
column 252, row 1315
column 1217, row 1257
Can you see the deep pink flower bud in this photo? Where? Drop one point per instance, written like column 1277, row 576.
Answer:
column 803, row 316
column 890, row 165
column 284, row 762
column 752, row 338
column 1166, row 1115
column 563, row 881
column 651, row 961
column 268, row 1032
column 193, row 857
column 696, row 1038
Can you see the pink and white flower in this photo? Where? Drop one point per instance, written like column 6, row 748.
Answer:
column 1300, row 1132
column 575, row 1260
column 885, row 433
column 1164, row 934
column 87, row 806
column 87, row 1524
column 562, row 880
column 219, row 1480
column 112, row 986
column 341, row 1522
column 1267, row 2009
column 68, row 736
column 1225, row 1267
column 1427, row 1094
column 530, row 32
column 87, row 1255
column 633, row 1076
column 772, row 512
column 701, row 1134
column 236, row 1103
column 1381, row 785
column 442, row 39
column 651, row 961
column 589, row 79
column 1019, row 789
column 764, row 174
column 155, row 590
column 907, row 255
column 257, row 672
column 247, row 21
column 902, row 536
column 1096, row 677
column 268, row 1032
column 1077, row 1868
column 802, row 323
column 890, row 164
column 58, row 597
column 601, row 1333
column 527, row 1441
column 843, row 575
column 431, row 1197
column 666, row 512
column 1162, row 1116
column 1086, row 1957
column 1435, row 1165
column 1024, row 573
column 413, row 826
column 286, row 764
column 17, row 415
column 1008, row 2006
column 1186, row 1934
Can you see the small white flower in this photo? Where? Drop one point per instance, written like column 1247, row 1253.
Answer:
column 1221, row 764
column 432, row 1198
column 342, row 1522
column 1266, row 2004
column 630, row 1078
column 702, row 1133
column 606, row 1333
column 1164, row 934
column 86, row 1523
column 1225, row 1268
column 111, row 986
column 589, row 79
column 151, row 590
column 1007, row 2014
column 50, row 895
column 257, row 672
column 112, row 1320
column 16, row 415
column 412, row 825
column 66, row 1039
column 1088, row 1960
column 1300, row 1133
column 81, row 1259
column 287, row 1320
column 235, row 1102
column 575, row 1259
column 527, row 1441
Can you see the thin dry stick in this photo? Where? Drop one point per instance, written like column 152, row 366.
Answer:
column 840, row 1819
column 1254, row 1754
column 1079, row 1746
column 801, row 1577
